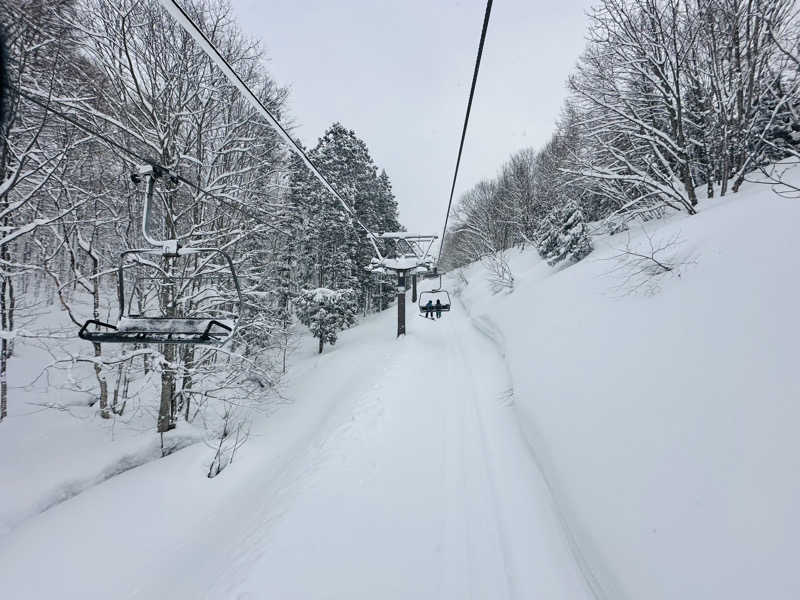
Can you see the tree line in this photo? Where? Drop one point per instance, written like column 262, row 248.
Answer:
column 672, row 101
column 87, row 79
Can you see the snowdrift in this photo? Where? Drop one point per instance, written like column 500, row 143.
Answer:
column 664, row 410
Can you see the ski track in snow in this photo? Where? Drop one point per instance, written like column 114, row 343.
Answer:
column 401, row 495
column 486, row 327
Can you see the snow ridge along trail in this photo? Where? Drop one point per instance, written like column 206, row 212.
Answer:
column 398, row 472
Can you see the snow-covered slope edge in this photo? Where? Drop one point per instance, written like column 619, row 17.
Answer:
column 665, row 416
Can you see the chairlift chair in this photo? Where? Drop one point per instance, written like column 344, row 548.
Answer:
column 433, row 295
column 214, row 325
column 214, row 320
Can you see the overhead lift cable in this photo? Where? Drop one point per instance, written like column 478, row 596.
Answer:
column 466, row 122
column 191, row 27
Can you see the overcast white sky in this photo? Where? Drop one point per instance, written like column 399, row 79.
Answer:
column 398, row 73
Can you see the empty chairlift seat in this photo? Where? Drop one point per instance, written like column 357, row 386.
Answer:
column 159, row 330
column 215, row 307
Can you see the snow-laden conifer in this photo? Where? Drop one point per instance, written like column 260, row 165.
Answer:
column 564, row 235
column 326, row 312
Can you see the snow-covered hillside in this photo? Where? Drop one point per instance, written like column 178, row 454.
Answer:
column 666, row 418
column 588, row 435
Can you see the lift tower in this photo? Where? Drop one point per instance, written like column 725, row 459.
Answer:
column 404, row 254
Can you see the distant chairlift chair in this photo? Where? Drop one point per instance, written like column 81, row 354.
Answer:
column 217, row 321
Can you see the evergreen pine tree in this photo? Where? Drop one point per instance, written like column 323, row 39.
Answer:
column 347, row 164
column 326, row 312
column 329, row 249
column 564, row 235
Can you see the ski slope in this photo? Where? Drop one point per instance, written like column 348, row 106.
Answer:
column 565, row 440
column 666, row 417
column 398, row 471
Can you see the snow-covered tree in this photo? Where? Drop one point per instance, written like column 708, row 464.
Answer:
column 39, row 49
column 564, row 235
column 332, row 249
column 668, row 97
column 326, row 312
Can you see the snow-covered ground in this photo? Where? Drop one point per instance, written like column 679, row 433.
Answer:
column 397, row 472
column 666, row 419
column 575, row 438
column 54, row 446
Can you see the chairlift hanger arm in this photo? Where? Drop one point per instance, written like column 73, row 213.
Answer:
column 153, row 172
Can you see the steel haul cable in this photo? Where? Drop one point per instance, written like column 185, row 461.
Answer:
column 466, row 122
column 191, row 27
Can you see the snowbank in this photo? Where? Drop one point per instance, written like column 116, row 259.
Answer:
column 53, row 445
column 664, row 411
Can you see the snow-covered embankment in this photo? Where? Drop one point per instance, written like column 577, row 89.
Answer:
column 665, row 417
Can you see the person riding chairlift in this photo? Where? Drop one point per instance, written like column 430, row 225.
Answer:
column 429, row 309
column 438, row 309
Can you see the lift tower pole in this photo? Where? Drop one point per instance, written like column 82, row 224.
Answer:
column 401, row 303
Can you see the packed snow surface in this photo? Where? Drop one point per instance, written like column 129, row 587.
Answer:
column 587, row 435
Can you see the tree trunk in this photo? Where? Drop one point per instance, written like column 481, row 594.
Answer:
column 3, row 379
column 692, row 195
column 170, row 355
column 101, row 379
column 688, row 186
column 723, row 189
column 167, row 393
column 321, row 343
column 4, row 348
column 285, row 335
column 738, row 183
column 122, row 375
column 98, row 351
column 186, row 385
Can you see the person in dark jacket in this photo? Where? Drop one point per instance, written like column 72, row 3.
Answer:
column 429, row 309
column 438, row 309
